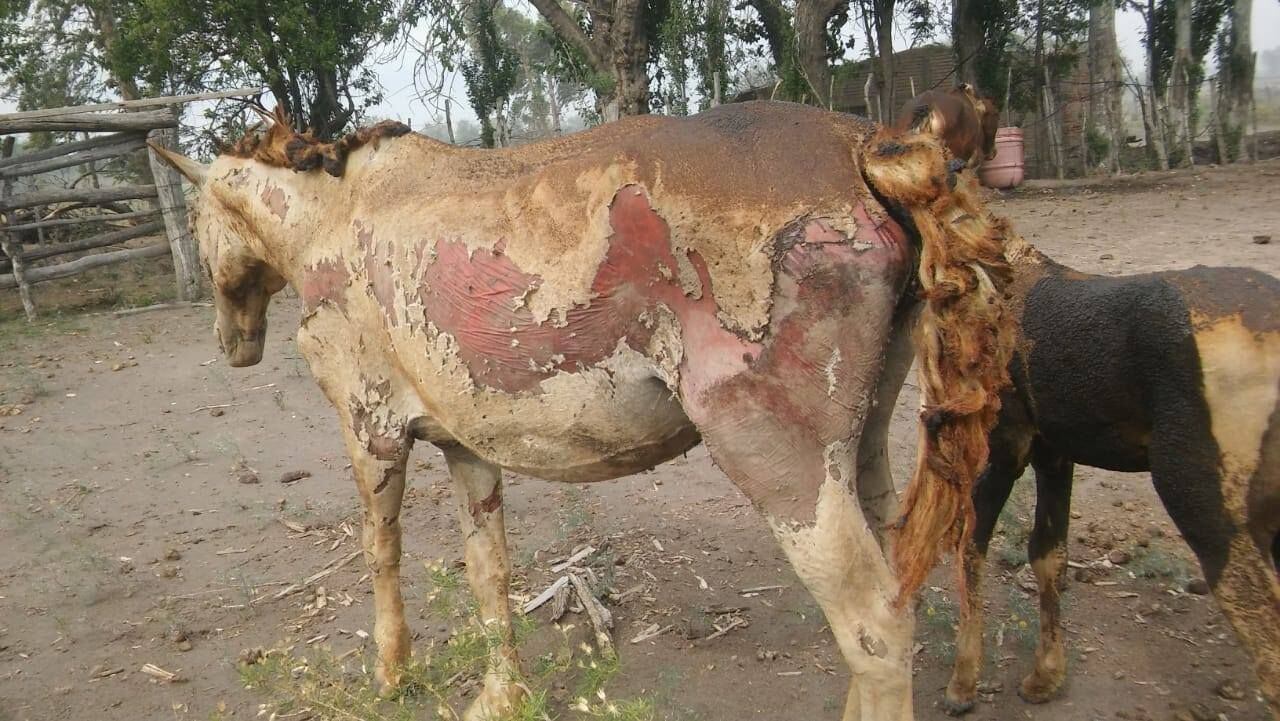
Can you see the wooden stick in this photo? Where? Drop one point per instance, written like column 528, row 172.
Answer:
column 96, row 218
column 315, row 577
column 80, row 265
column 735, row 623
column 92, row 122
column 64, row 148
column 571, row 560
column 97, row 241
column 172, row 205
column 127, row 104
column 85, row 195
column 12, row 246
column 546, row 595
column 594, row 612
column 129, row 144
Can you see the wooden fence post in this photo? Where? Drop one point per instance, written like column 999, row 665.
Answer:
column 173, row 207
column 12, row 245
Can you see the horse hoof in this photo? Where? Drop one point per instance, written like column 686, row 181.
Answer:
column 956, row 708
column 1037, row 690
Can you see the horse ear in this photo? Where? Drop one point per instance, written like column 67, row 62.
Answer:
column 192, row 170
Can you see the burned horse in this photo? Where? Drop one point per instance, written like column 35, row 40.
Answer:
column 588, row 307
column 1176, row 373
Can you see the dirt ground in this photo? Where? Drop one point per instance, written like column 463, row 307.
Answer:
column 127, row 536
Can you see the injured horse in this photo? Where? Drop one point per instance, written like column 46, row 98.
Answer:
column 589, row 307
column 1176, row 373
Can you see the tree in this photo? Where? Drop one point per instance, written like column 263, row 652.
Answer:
column 490, row 72
column 310, row 53
column 1105, row 115
column 612, row 38
column 802, row 44
column 1236, row 64
column 1178, row 84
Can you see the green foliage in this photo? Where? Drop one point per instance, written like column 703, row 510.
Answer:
column 491, row 70
column 310, row 53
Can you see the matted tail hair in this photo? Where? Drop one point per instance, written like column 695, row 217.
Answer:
column 964, row 339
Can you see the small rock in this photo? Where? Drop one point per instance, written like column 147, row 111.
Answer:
column 184, row 645
column 172, row 554
column 126, row 566
column 294, row 476
column 1155, row 531
column 250, row 656
column 1198, row 586
column 246, row 476
column 169, row 572
column 1086, row 575
column 1261, row 239
column 1119, row 557
column 1201, row 712
column 1106, row 256
column 1230, row 689
column 217, row 412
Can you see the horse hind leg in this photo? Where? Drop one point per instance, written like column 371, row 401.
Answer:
column 1010, row 446
column 785, row 427
column 1047, row 552
column 478, row 492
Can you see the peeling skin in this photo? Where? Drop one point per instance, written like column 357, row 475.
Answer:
column 277, row 203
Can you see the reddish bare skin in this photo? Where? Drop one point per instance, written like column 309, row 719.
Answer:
column 475, row 299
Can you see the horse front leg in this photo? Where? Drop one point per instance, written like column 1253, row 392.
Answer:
column 478, row 491
column 374, row 410
column 378, row 464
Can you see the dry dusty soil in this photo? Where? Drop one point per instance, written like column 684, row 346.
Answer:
column 129, row 537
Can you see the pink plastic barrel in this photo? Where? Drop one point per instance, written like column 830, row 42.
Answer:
column 1005, row 169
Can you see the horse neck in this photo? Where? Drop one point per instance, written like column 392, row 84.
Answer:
column 286, row 211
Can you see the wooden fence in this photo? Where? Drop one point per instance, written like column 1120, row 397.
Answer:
column 127, row 133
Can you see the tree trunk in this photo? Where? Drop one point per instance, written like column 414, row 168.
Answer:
column 1178, row 83
column 618, row 47
column 811, row 46
column 1157, row 111
column 883, row 10
column 1241, row 75
column 1104, row 74
column 966, row 38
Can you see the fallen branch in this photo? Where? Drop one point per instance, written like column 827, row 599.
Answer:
column 761, row 589
column 735, row 623
column 571, row 560
column 219, row 405
column 653, row 631
column 158, row 673
column 315, row 577
column 546, row 595
column 600, row 617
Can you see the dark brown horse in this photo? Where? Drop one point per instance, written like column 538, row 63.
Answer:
column 1175, row 373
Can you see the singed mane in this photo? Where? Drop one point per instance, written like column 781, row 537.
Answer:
column 283, row 147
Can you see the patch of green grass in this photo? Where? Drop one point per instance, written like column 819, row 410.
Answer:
column 1157, row 564
column 1022, row 622
column 17, row 332
column 937, row 615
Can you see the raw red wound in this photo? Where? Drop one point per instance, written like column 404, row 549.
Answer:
column 326, row 280
column 480, row 298
column 481, row 301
